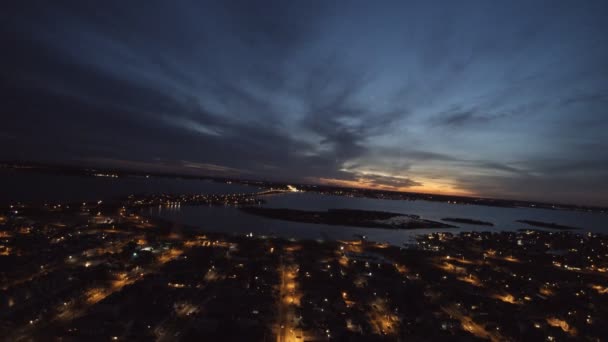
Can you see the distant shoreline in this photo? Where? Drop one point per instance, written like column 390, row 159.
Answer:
column 94, row 171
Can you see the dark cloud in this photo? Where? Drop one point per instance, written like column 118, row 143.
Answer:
column 460, row 117
column 484, row 98
column 388, row 181
column 371, row 180
column 601, row 98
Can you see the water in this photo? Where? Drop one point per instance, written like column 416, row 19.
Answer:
column 231, row 220
column 38, row 187
column 41, row 187
column 503, row 218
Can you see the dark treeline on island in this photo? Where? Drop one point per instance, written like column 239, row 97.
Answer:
column 348, row 217
column 547, row 225
column 468, row 221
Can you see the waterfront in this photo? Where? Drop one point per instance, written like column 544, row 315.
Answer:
column 137, row 269
column 40, row 187
column 234, row 220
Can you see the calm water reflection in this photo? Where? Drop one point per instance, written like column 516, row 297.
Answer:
column 231, row 220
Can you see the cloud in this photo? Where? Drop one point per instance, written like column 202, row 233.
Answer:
column 459, row 116
column 600, row 98
column 373, row 181
column 190, row 125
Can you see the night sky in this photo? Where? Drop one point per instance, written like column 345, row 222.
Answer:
column 491, row 98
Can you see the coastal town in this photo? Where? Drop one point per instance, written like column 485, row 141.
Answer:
column 304, row 171
column 104, row 271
